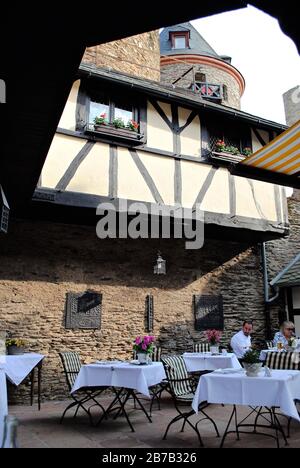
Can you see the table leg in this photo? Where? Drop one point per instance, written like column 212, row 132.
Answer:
column 32, row 386
column 40, row 365
column 274, row 424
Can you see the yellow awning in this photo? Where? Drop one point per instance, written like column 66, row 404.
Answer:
column 277, row 162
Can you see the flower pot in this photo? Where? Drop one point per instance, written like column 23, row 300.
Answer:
column 14, row 350
column 252, row 370
column 142, row 358
column 214, row 349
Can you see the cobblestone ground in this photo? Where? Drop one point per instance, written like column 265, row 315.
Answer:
column 41, row 429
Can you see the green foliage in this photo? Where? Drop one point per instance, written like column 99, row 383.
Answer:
column 251, row 356
column 118, row 123
column 15, row 342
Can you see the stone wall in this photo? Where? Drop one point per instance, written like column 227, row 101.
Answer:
column 170, row 73
column 137, row 55
column 41, row 262
column 282, row 252
column 292, row 105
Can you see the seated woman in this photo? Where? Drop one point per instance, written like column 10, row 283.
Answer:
column 285, row 334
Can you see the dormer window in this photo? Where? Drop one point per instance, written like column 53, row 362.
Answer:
column 180, row 40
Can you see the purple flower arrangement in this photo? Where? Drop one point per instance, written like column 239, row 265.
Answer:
column 144, row 344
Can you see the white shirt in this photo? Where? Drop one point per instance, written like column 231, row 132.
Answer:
column 240, row 343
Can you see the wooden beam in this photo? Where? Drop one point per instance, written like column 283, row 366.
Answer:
column 161, row 113
column 257, row 204
column 205, row 187
column 175, row 129
column 72, row 169
column 232, row 195
column 190, row 119
column 178, row 183
column 113, row 171
column 277, row 203
column 259, row 137
column 147, row 177
column 82, row 200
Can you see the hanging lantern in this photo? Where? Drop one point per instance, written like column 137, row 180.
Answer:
column 160, row 267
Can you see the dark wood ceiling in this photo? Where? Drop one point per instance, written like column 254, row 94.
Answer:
column 41, row 48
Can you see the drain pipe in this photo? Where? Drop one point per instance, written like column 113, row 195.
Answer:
column 267, row 299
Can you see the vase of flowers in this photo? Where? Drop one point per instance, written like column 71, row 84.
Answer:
column 15, row 346
column 251, row 363
column 143, row 346
column 292, row 344
column 213, row 337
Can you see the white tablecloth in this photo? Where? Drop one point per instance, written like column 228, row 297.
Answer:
column 205, row 361
column 3, row 401
column 18, row 367
column 125, row 375
column 264, row 353
column 280, row 390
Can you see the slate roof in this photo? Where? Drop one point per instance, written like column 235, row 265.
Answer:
column 198, row 45
column 290, row 276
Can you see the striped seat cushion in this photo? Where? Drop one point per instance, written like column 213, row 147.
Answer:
column 201, row 347
column 71, row 363
column 177, row 375
column 283, row 360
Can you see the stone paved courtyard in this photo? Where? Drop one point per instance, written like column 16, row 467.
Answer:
column 42, row 430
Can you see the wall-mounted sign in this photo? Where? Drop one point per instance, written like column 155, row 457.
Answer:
column 208, row 312
column 83, row 310
column 4, row 212
column 149, row 313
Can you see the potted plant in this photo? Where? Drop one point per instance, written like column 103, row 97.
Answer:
column 143, row 347
column 251, row 362
column 220, row 146
column 132, row 125
column 118, row 123
column 213, row 337
column 15, row 346
column 247, row 151
column 292, row 344
column 99, row 121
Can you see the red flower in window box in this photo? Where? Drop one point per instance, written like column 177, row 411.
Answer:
column 132, row 125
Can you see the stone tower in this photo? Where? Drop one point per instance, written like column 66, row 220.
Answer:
column 292, row 105
column 137, row 55
column 188, row 61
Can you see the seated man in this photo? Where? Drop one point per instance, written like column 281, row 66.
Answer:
column 285, row 334
column 241, row 341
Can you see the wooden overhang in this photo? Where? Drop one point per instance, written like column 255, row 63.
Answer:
column 41, row 48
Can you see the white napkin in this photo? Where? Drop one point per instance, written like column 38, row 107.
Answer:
column 228, row 371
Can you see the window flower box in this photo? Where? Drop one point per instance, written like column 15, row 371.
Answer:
column 108, row 130
column 222, row 155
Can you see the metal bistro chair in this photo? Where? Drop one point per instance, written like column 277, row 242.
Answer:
column 269, row 344
column 71, row 364
column 182, row 390
column 201, row 347
column 281, row 361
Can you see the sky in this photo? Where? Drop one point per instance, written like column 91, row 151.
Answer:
column 266, row 57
